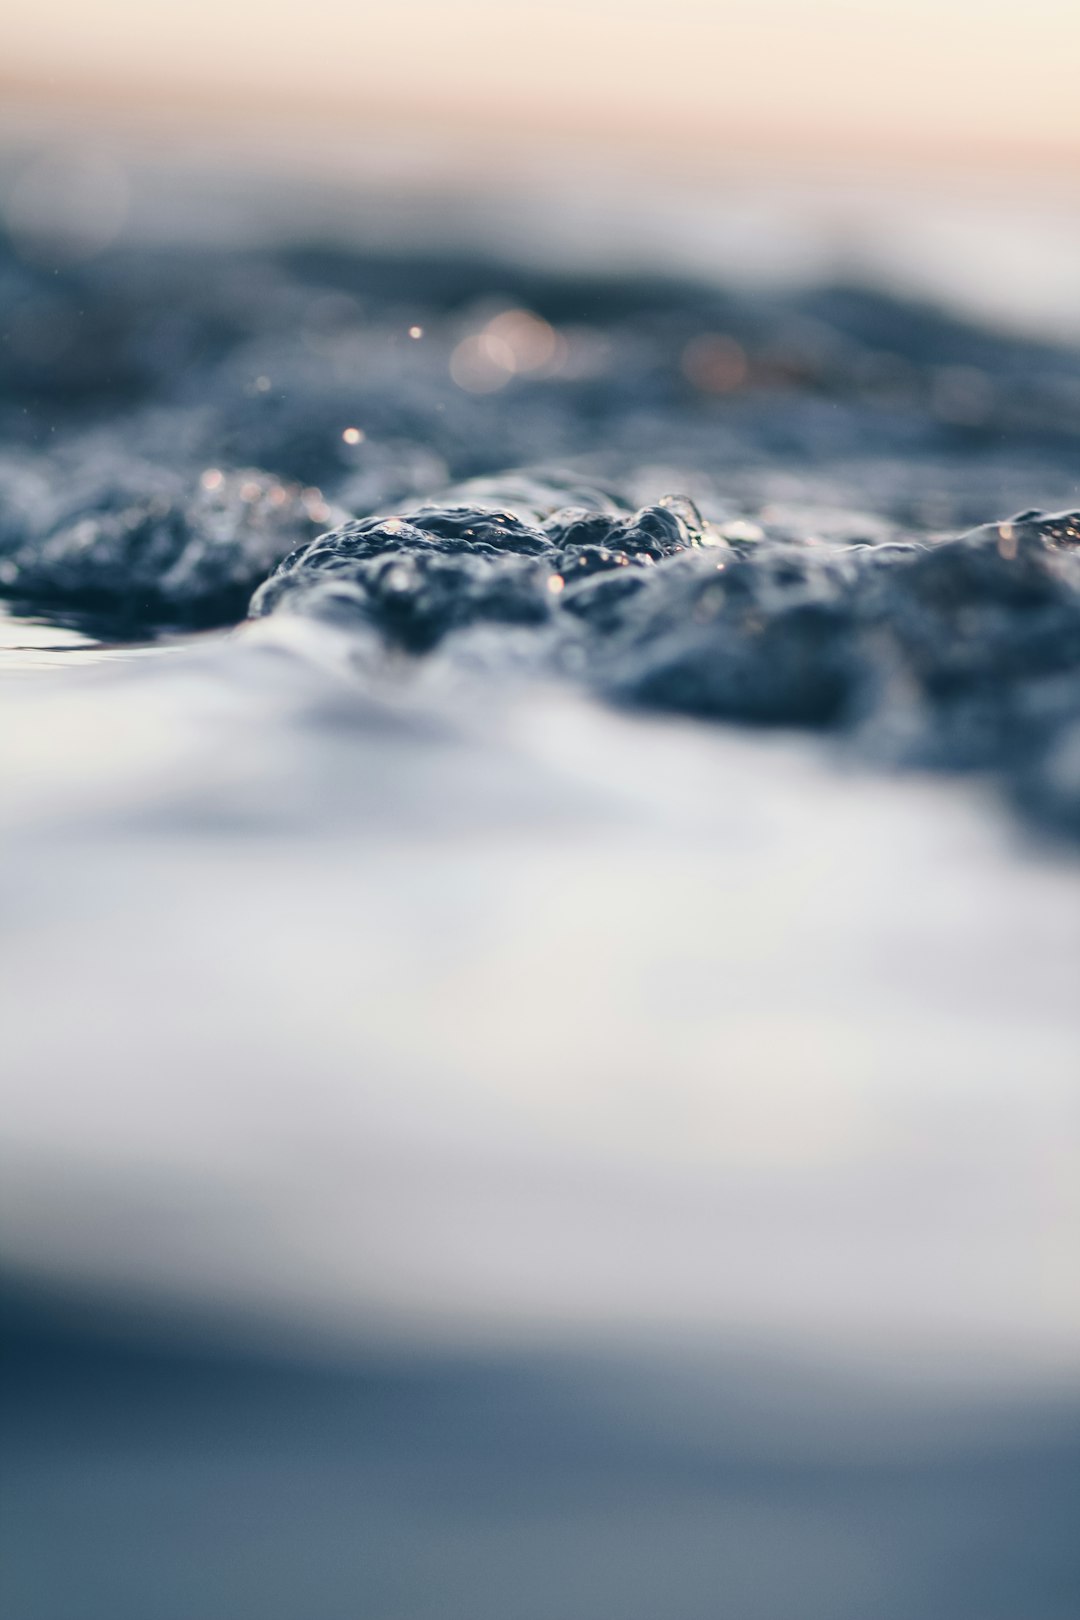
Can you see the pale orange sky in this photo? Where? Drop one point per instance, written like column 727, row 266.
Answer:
column 989, row 80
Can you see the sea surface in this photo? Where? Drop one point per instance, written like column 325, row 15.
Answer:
column 539, row 919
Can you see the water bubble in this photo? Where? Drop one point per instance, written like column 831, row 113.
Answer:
column 482, row 363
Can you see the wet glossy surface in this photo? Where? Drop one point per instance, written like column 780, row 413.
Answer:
column 573, row 951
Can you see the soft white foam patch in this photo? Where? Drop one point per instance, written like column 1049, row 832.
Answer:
column 392, row 1013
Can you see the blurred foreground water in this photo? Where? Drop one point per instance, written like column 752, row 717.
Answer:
column 490, row 1129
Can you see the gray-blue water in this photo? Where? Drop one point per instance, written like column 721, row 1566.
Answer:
column 539, row 918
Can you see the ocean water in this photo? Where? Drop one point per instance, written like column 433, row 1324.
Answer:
column 539, row 912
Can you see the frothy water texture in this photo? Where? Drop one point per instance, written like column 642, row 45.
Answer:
column 539, row 867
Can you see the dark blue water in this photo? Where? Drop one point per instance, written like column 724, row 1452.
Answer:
column 146, row 1477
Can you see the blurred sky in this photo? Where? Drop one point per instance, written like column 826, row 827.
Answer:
column 695, row 82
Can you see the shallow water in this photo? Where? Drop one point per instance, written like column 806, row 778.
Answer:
column 644, row 933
